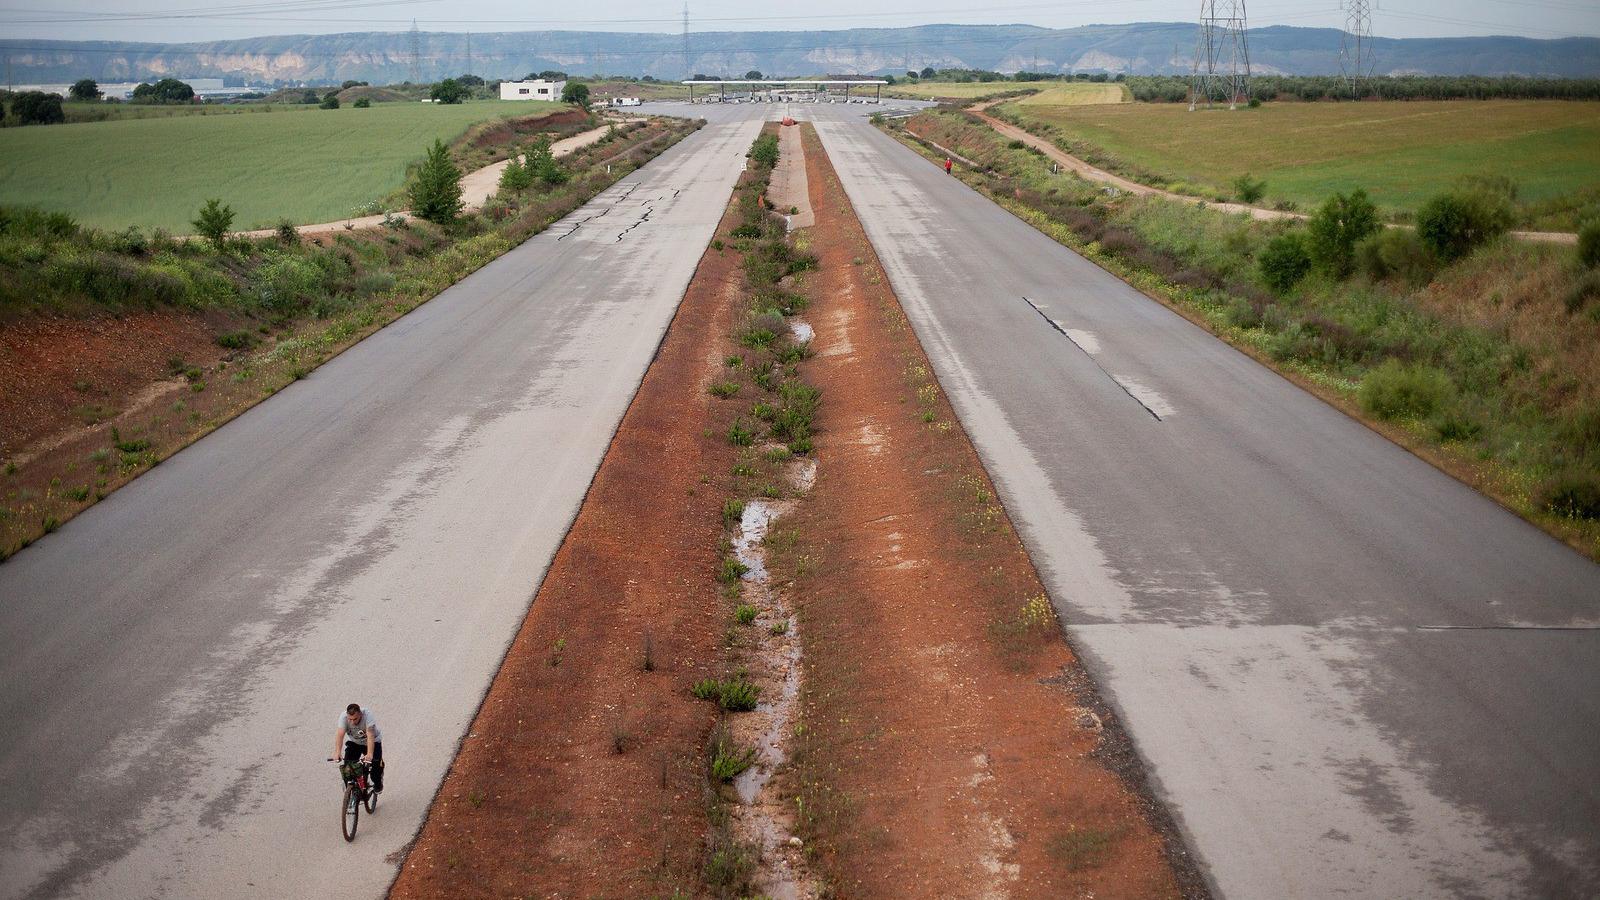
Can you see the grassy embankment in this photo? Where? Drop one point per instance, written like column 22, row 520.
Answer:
column 279, row 306
column 1489, row 367
column 1046, row 93
column 309, row 165
column 1400, row 153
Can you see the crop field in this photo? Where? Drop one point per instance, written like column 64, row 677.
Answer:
column 1400, row 152
column 308, row 165
column 1051, row 93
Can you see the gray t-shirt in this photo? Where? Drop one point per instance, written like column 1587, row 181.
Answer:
column 357, row 732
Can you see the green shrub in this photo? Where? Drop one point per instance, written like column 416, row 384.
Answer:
column 1284, row 261
column 435, row 189
column 331, row 101
column 1337, row 226
column 740, row 434
column 745, row 614
column 1584, row 288
column 732, row 510
column 1574, row 494
column 236, row 340
column 1397, row 253
column 1589, row 244
column 213, row 222
column 516, row 177
column 724, row 389
column 1249, row 190
column 732, row 570
column 1453, row 224
column 738, row 695
column 706, row 689
column 362, row 103
column 1394, row 390
column 765, row 151
column 286, row 282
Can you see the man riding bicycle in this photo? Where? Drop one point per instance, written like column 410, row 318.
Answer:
column 359, row 732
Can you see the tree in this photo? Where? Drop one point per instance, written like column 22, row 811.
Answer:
column 471, row 81
column 352, row 83
column 753, row 74
column 542, row 163
column 84, row 89
column 436, row 188
column 516, row 177
column 310, row 97
column 927, row 72
column 576, row 92
column 1249, row 189
column 331, row 101
column 1453, row 224
column 213, row 222
column 37, row 108
column 551, row 75
column 167, row 90
column 362, row 103
column 1284, row 262
column 449, row 91
column 1336, row 228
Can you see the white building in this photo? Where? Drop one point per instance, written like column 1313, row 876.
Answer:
column 532, row 90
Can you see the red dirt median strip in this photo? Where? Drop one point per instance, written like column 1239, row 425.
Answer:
column 950, row 743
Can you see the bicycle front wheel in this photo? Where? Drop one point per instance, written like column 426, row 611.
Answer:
column 350, row 812
column 372, row 800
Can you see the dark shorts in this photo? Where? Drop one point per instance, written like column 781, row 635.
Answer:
column 353, row 753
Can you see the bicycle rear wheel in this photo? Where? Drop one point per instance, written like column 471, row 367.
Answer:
column 350, row 812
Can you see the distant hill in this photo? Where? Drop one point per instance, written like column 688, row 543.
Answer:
column 1142, row 49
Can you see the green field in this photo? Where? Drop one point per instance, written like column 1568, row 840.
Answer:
column 1400, row 152
column 1051, row 93
column 308, row 165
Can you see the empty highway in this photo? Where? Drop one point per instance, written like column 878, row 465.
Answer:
column 173, row 662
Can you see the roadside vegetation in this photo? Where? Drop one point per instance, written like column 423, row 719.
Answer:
column 766, row 410
column 304, row 166
column 1479, row 352
column 277, row 307
column 1401, row 154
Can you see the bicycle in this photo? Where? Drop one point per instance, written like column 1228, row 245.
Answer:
column 358, row 792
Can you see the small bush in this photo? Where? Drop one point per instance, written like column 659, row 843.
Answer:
column 213, row 222
column 732, row 570
column 724, row 389
column 1452, row 427
column 1284, row 261
column 362, row 103
column 745, row 614
column 1589, row 244
column 236, row 340
column 1337, row 226
column 1575, row 495
column 706, row 689
column 1397, row 253
column 765, row 151
column 738, row 695
column 740, row 434
column 1249, row 190
column 1584, row 288
column 732, row 510
column 1394, row 390
column 1456, row 223
column 286, row 282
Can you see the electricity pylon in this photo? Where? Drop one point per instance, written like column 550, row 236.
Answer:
column 1356, row 58
column 1221, row 54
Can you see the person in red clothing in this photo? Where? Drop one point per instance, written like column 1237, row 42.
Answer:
column 948, row 165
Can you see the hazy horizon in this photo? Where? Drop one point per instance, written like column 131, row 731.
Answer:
column 176, row 21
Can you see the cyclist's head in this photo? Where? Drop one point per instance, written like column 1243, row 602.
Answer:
column 353, row 709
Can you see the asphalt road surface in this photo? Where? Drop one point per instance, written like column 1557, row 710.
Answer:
column 173, row 662
column 1348, row 673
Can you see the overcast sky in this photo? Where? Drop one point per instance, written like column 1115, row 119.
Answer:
column 189, row 20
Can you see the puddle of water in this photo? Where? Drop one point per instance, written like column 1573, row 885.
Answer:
column 803, row 332
column 761, row 817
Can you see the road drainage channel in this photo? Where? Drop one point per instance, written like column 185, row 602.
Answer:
column 760, row 816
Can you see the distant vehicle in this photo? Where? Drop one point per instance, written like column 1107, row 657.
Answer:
column 625, row 101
